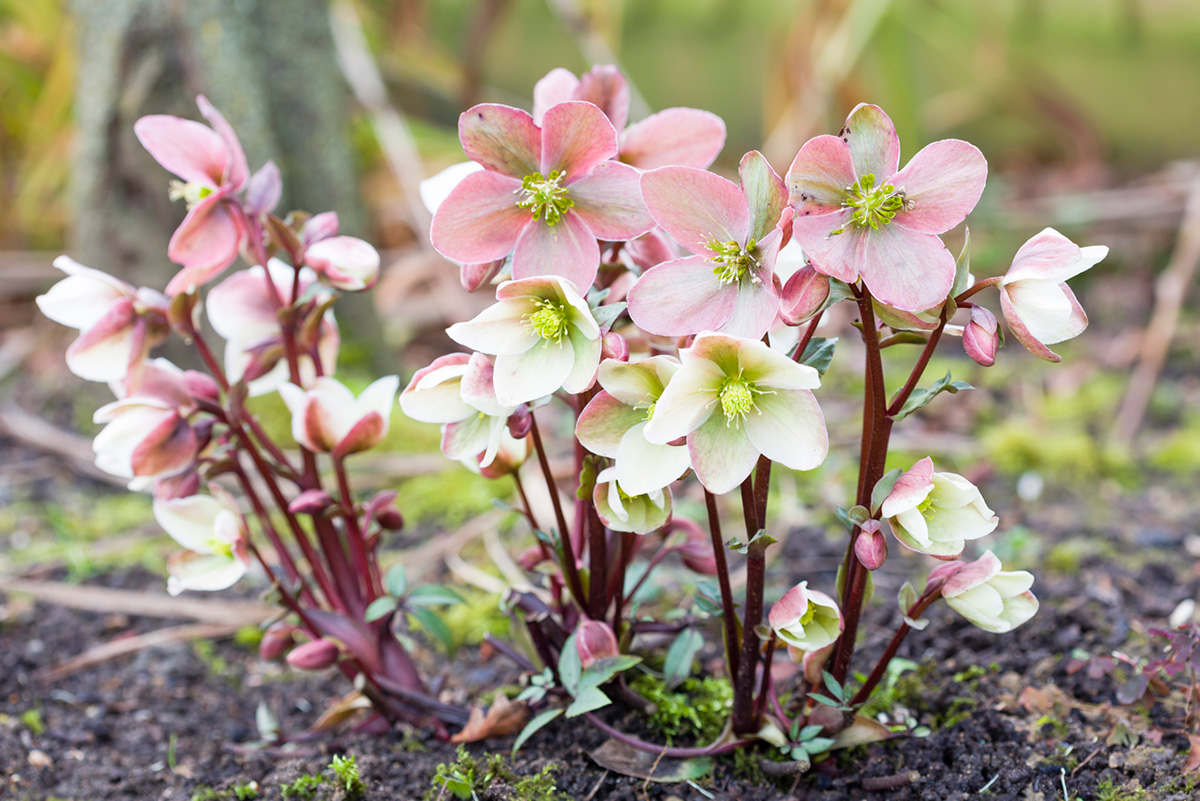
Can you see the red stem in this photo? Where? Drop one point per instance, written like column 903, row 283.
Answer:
column 731, row 636
column 564, row 534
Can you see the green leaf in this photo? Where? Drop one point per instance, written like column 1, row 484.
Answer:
column 924, row 395
column 808, row 732
column 678, row 664
column 569, row 666
column 818, row 745
column 834, row 686
column 379, row 608
column 433, row 595
column 588, row 700
column 826, row 700
column 435, row 626
column 708, row 598
column 853, row 517
column 605, row 315
column 395, row 581
column 818, row 354
column 538, row 722
column 884, row 488
column 962, row 267
column 603, row 670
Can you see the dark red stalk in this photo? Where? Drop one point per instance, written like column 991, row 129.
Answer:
column 731, row 637
column 598, row 564
column 570, row 569
column 914, row 613
column 354, row 533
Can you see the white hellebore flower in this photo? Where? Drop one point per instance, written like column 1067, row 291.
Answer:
column 621, row 511
column 543, row 336
column 935, row 513
column 212, row 533
column 735, row 399
column 806, row 619
column 1038, row 306
column 993, row 599
column 327, row 418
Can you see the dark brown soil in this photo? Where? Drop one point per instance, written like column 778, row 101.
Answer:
column 174, row 720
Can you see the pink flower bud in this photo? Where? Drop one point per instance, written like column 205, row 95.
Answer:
column 277, row 639
column 344, row 262
column 382, row 507
column 520, row 421
column 315, row 655
column 981, row 336
column 201, row 386
column 319, row 226
column 183, row 485
column 264, row 189
column 474, row 276
column 310, row 502
column 871, row 546
column 696, row 551
column 614, row 346
column 594, row 641
column 531, row 557
column 803, row 295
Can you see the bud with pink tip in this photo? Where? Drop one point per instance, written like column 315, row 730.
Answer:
column 315, row 655
column 520, row 421
column 319, row 227
column 804, row 295
column 311, row 502
column 981, row 336
column 696, row 551
column 871, row 546
column 276, row 640
column 344, row 262
column 614, row 346
column 594, row 640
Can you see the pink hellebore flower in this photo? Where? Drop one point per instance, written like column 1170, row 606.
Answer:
column 993, row 599
column 685, row 137
column 735, row 399
column 213, row 168
column 856, row 216
column 612, row 424
column 327, row 418
column 935, row 513
column 1038, row 306
column 546, row 194
column 118, row 324
column 344, row 262
column 214, row 536
column 806, row 619
column 621, row 510
column 735, row 233
column 434, row 191
column 543, row 336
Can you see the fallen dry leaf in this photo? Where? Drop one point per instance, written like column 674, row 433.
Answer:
column 1192, row 764
column 503, row 717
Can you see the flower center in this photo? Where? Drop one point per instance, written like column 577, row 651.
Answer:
column 545, row 196
column 808, row 615
column 650, row 412
column 737, row 400
column 925, row 507
column 874, row 205
column 220, row 548
column 550, row 321
column 190, row 192
column 733, row 261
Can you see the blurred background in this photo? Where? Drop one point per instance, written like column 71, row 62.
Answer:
column 1087, row 110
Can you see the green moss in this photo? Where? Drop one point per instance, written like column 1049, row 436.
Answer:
column 1107, row 790
column 1179, row 451
column 960, row 709
column 449, row 497
column 696, row 710
column 345, row 772
column 32, row 718
column 468, row 778
column 248, row 637
column 302, row 789
column 479, row 615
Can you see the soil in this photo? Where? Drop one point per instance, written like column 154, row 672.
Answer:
column 174, row 720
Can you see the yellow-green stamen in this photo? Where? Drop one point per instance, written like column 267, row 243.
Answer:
column 545, row 196
column 737, row 400
column 190, row 192
column 809, row 614
column 550, row 321
column 733, row 261
column 873, row 205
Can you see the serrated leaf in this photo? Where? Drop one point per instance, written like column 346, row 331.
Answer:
column 433, row 595
column 569, row 666
column 678, row 664
column 433, row 624
column 395, row 581
column 818, row 354
column 962, row 267
column 538, row 722
column 588, row 700
column 884, row 488
column 379, row 609
column 923, row 395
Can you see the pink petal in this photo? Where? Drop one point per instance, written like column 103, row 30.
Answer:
column 207, row 240
column 788, row 427
column 765, row 193
column 1051, row 255
column 558, row 86
column 1018, row 328
column 604, row 421
column 902, row 268
column 874, row 146
column 812, row 233
column 187, row 148
column 913, row 487
column 480, row 221
column 167, row 448
column 501, row 138
column 264, row 189
column 683, row 137
column 819, row 176
column 236, row 171
column 754, row 310
column 972, row 574
column 567, row 249
column 604, row 86
column 681, row 297
column 478, row 387
column 943, row 183
column 433, row 395
column 722, row 455
column 790, row 608
column 609, row 199
column 576, row 138
column 363, row 435
column 105, row 351
column 696, row 207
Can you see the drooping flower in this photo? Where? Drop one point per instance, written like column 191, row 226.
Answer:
column 543, row 336
column 1038, row 306
column 241, row 310
column 684, row 137
column 981, row 336
column 735, row 399
column 993, row 599
column 118, row 324
column 612, row 424
column 806, row 619
column 621, row 510
column 214, row 536
column 734, row 232
column 545, row 194
column 327, row 418
column 213, row 168
column 856, row 216
column 936, row 513
column 344, row 262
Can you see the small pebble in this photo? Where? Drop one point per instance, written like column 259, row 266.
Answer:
column 40, row 759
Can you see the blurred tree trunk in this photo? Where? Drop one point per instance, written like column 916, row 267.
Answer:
column 269, row 66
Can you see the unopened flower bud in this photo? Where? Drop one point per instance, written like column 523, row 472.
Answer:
column 474, row 276
column 697, row 550
column 531, row 557
column 382, row 507
column 182, row 485
column 276, row 640
column 871, row 546
column 203, row 431
column 310, row 502
column 520, row 421
column 981, row 336
column 594, row 640
column 201, row 386
column 804, row 295
column 318, row 227
column 614, row 346
column 315, row 655
column 344, row 262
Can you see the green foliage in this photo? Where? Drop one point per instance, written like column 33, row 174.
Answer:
column 302, row 789
column 239, row 792
column 696, row 710
column 1107, row 790
column 477, row 615
column 345, row 771
column 468, row 778
column 960, row 709
column 32, row 718
column 450, row 497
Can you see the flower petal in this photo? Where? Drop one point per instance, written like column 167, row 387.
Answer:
column 681, row 297
column 190, row 521
column 1048, row 310
column 206, row 241
column 1019, row 330
column 202, row 572
column 818, row 177
column 604, row 421
column 696, row 207
column 536, row 373
column 766, row 367
column 236, row 170
column 643, row 467
column 902, row 268
column 576, row 138
column 913, row 487
column 501, row 138
column 433, row 395
column 609, row 199
column 567, row 249
column 1050, row 255
column 828, row 254
column 683, row 137
column 478, row 387
column 765, row 194
column 604, row 86
column 722, row 455
column 587, row 360
column 789, row 428
column 942, row 183
column 82, row 298
column 187, row 148
column 754, row 311
column 686, row 402
column 480, row 220
column 638, row 383
column 874, row 146
column 557, row 86
column 105, row 351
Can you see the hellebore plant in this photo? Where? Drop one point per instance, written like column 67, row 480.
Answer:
column 677, row 395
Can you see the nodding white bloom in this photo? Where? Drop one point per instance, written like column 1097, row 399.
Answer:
column 806, row 619
column 613, row 424
column 993, row 599
column 935, row 513
column 344, row 262
column 118, row 324
column 214, row 536
column 543, row 336
column 457, row 391
column 735, row 399
column 621, row 511
column 1038, row 306
column 327, row 418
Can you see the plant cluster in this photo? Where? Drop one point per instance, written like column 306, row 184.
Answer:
column 670, row 312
